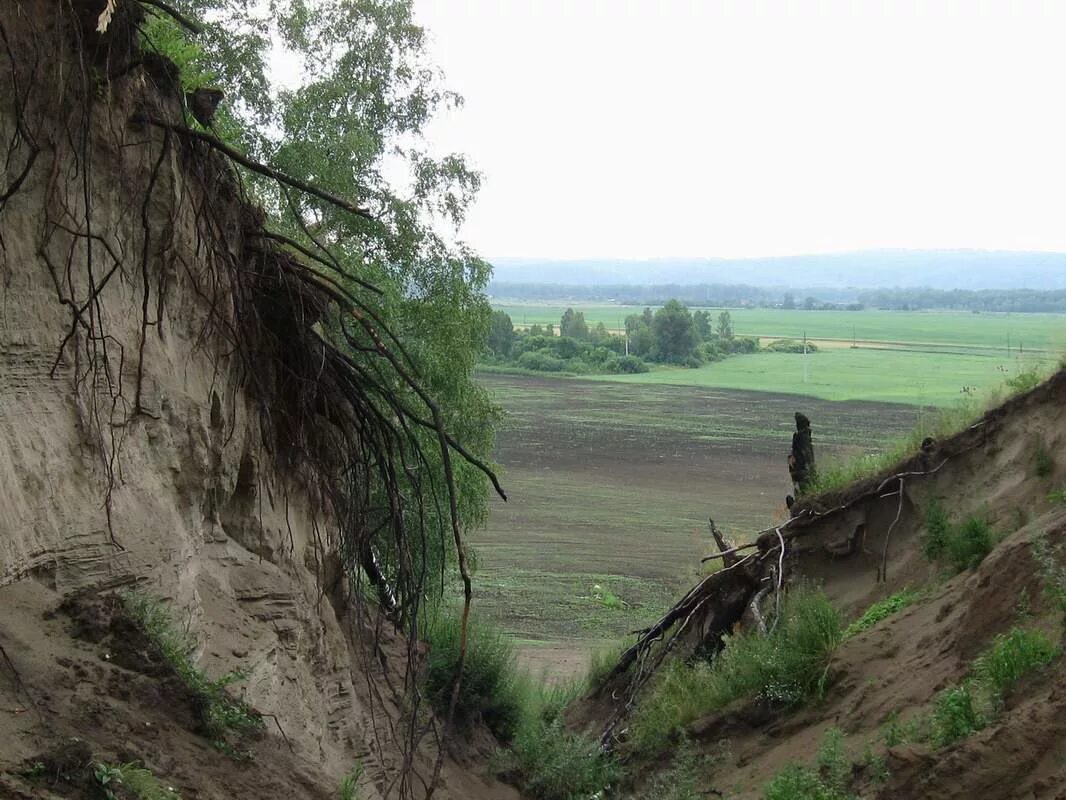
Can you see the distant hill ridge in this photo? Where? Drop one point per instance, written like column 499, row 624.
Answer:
column 869, row 269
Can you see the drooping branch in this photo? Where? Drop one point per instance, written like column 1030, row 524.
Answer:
column 173, row 13
column 236, row 155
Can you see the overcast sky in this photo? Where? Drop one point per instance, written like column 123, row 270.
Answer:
column 653, row 129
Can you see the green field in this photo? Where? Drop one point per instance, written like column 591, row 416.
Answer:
column 1045, row 332
column 913, row 377
column 918, row 358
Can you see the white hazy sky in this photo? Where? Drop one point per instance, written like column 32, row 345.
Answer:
column 607, row 128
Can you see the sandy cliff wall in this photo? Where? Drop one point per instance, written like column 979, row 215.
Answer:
column 131, row 450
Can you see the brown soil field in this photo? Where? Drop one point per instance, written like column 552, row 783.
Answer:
column 612, row 485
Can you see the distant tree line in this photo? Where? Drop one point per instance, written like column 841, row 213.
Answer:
column 1018, row 300
column 671, row 334
column 811, row 299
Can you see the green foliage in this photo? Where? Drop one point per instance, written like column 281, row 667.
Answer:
column 1024, row 381
column 682, row 780
column 223, row 716
column 606, row 598
column 880, row 610
column 501, row 334
column 1049, row 561
column 1043, row 463
column 552, row 763
column 960, row 546
column 954, row 716
column 724, row 328
column 791, row 346
column 962, row 710
column 937, row 527
column 1010, row 657
column 826, row 782
column 781, row 668
column 491, row 689
column 133, row 781
column 349, row 787
column 1057, row 497
column 353, row 125
column 573, row 325
column 675, row 336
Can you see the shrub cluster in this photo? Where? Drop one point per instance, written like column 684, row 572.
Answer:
column 960, row 546
column 782, row 668
column 549, row 762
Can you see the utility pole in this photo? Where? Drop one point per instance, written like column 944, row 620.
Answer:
column 805, row 356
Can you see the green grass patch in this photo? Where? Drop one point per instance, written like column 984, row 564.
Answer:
column 827, row 780
column 781, row 668
column 120, row 781
column 1057, row 497
column 226, row 720
column 349, row 786
column 970, row 706
column 491, row 690
column 881, row 610
column 682, row 780
column 959, row 546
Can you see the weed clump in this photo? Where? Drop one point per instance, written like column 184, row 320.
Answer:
column 960, row 546
column 130, row 781
column 962, row 710
column 490, row 690
column 881, row 610
column 827, row 781
column 222, row 716
column 781, row 668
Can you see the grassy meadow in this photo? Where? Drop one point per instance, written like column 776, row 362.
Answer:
column 919, row 358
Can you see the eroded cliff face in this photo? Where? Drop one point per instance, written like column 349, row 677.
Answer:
column 132, row 452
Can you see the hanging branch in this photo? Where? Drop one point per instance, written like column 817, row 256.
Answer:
column 177, row 16
column 236, row 155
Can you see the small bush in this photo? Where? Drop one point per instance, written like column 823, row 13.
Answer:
column 969, row 543
column 1024, row 381
column 222, row 715
column 827, row 782
column 781, row 668
column 490, row 689
column 1010, row 657
column 552, row 763
column 937, row 525
column 954, row 716
column 631, row 365
column 961, row 546
column 880, row 610
column 1057, row 497
column 790, row 346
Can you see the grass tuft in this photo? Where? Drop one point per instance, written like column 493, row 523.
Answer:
column 782, row 668
column 222, row 715
column 130, row 780
column 491, row 689
column 828, row 781
column 881, row 610
column 962, row 710
column 349, row 787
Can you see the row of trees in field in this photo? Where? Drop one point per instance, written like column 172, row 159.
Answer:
column 669, row 335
